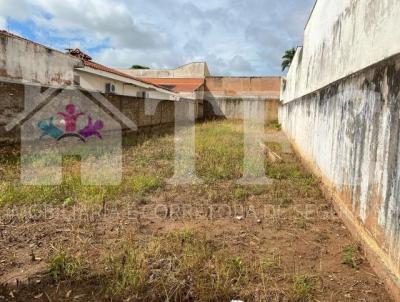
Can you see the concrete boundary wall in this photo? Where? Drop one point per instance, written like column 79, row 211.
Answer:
column 12, row 96
column 224, row 96
column 349, row 133
column 233, row 109
column 343, row 37
column 30, row 62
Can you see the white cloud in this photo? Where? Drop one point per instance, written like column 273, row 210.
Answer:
column 3, row 23
column 233, row 36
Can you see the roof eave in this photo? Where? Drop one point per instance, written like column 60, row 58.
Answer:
column 119, row 78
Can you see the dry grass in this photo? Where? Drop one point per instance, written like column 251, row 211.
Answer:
column 148, row 161
column 178, row 258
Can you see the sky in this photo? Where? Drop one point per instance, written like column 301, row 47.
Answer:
column 235, row 37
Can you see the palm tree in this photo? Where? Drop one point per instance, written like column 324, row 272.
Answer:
column 139, row 67
column 288, row 58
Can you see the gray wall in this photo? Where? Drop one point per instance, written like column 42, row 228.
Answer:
column 349, row 133
column 30, row 62
column 12, row 98
column 341, row 112
column 233, row 108
column 224, row 96
column 343, row 37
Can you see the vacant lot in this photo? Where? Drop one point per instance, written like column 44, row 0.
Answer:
column 148, row 241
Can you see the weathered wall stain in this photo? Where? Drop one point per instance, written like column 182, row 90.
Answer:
column 349, row 131
column 225, row 96
column 36, row 63
column 341, row 38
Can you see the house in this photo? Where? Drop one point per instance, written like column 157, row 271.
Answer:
column 93, row 76
column 186, row 81
column 29, row 62
column 215, row 95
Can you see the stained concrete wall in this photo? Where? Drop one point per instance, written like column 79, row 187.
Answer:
column 30, row 62
column 224, row 96
column 233, row 108
column 341, row 112
column 349, row 133
column 342, row 37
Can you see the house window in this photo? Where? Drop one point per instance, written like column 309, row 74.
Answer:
column 142, row 94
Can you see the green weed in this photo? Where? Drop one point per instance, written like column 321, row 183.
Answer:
column 143, row 184
column 64, row 267
column 351, row 256
column 303, row 288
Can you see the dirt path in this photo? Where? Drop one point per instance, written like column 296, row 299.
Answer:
column 214, row 242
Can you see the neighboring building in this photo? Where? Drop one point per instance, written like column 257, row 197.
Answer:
column 195, row 70
column 32, row 63
column 29, row 62
column 223, row 95
column 96, row 77
column 187, row 81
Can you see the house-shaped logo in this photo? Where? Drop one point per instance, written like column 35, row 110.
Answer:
column 63, row 122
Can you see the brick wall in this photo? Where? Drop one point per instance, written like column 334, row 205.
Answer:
column 12, row 99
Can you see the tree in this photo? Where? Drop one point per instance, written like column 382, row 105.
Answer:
column 288, row 58
column 139, row 67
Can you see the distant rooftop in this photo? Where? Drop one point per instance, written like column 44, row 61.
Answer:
column 192, row 70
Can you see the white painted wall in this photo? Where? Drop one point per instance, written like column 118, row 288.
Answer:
column 347, row 127
column 29, row 62
column 94, row 82
column 343, row 37
column 191, row 70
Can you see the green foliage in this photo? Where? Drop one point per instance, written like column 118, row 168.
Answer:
column 288, row 58
column 139, row 67
column 143, row 184
column 351, row 256
column 219, row 147
column 275, row 125
column 63, row 267
column 69, row 202
column 241, row 193
column 176, row 265
column 303, row 287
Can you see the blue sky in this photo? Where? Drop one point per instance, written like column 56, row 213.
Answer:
column 235, row 37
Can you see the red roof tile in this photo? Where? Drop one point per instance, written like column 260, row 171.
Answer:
column 87, row 63
column 100, row 67
column 176, row 84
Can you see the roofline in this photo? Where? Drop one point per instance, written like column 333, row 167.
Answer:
column 129, row 80
column 165, row 69
column 244, row 77
column 118, row 73
column 199, row 85
column 201, row 62
column 12, row 35
column 312, row 11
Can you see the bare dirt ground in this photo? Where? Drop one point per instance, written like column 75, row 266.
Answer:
column 149, row 241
